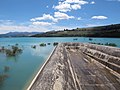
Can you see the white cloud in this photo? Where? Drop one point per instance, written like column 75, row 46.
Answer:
column 44, row 17
column 94, row 25
column 93, row 2
column 91, row 25
column 68, row 5
column 75, row 6
column 35, row 26
column 59, row 16
column 21, row 28
column 79, row 18
column 11, row 26
column 99, row 17
column 42, row 23
column 114, row 0
column 81, row 2
column 63, row 7
column 6, row 22
column 56, row 28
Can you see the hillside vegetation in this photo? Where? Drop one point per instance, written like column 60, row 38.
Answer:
column 100, row 31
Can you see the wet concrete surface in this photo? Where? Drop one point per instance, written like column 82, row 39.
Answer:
column 71, row 69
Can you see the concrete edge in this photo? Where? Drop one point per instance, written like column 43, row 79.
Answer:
column 34, row 79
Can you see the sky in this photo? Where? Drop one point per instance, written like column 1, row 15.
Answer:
column 49, row 15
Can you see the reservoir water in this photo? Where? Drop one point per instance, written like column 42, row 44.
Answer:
column 24, row 66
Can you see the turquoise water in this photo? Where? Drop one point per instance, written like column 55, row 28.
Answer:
column 24, row 67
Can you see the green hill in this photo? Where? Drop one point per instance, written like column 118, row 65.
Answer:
column 100, row 31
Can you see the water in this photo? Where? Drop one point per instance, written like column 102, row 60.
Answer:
column 24, row 67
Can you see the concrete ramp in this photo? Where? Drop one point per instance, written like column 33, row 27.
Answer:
column 71, row 68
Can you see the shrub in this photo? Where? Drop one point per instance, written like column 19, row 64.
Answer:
column 42, row 44
column 13, row 52
column 48, row 43
column 34, row 46
column 55, row 43
column 111, row 44
column 6, row 68
column 3, row 77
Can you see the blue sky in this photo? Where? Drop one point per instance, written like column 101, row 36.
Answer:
column 47, row 15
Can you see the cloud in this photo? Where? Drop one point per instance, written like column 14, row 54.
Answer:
column 99, row 17
column 60, row 16
column 93, row 2
column 81, row 2
column 54, row 19
column 94, row 25
column 36, row 26
column 63, row 7
column 79, row 18
column 11, row 26
column 113, row 0
column 47, row 6
column 42, row 23
column 22, row 28
column 68, row 5
column 31, row 28
column 44, row 17
column 56, row 28
column 6, row 22
column 75, row 6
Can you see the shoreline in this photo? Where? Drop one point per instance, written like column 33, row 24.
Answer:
column 40, row 70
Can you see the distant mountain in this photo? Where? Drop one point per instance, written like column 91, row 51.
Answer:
column 99, row 31
column 19, row 34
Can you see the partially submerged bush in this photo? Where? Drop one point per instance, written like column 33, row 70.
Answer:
column 96, row 43
column 111, row 44
column 6, row 68
column 55, row 43
column 42, row 44
column 2, row 49
column 13, row 52
column 75, row 39
column 3, row 77
column 90, row 39
column 107, row 44
column 48, row 43
column 34, row 46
